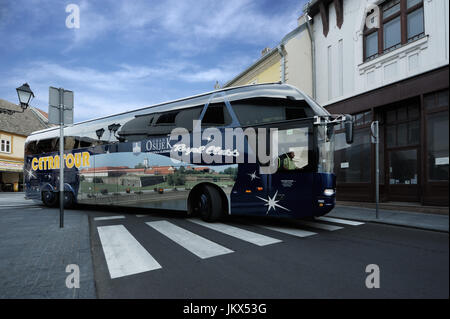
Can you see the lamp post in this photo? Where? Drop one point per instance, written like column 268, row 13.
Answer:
column 25, row 95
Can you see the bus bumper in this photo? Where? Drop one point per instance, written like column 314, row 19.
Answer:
column 324, row 205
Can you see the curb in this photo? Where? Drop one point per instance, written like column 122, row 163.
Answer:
column 18, row 206
column 393, row 224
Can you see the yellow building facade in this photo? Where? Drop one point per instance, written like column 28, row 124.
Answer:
column 11, row 160
column 290, row 62
column 265, row 70
column 14, row 129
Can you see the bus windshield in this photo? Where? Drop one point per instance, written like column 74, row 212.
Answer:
column 294, row 149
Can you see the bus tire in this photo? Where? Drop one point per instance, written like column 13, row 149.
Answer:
column 69, row 200
column 211, row 207
column 49, row 198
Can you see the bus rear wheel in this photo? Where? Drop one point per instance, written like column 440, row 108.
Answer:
column 49, row 198
column 209, row 204
column 69, row 200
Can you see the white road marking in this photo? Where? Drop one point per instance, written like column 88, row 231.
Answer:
column 340, row 221
column 141, row 215
column 109, row 217
column 320, row 226
column 290, row 231
column 196, row 244
column 251, row 237
column 124, row 254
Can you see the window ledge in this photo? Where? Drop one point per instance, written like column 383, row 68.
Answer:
column 421, row 43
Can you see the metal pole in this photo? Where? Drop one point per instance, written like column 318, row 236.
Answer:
column 377, row 167
column 61, row 158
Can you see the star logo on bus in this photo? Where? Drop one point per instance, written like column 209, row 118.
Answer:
column 253, row 175
column 30, row 174
column 272, row 203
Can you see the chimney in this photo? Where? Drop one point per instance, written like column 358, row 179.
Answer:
column 301, row 20
column 265, row 51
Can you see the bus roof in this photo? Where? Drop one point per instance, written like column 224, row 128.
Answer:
column 274, row 90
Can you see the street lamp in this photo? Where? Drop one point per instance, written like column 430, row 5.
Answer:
column 25, row 95
column 100, row 132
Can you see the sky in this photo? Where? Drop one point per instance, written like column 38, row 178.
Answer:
column 131, row 54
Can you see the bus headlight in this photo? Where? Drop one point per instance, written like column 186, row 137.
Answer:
column 328, row 192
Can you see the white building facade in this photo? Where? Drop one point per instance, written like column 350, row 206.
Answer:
column 386, row 61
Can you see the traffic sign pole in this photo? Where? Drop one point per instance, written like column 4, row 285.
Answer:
column 376, row 140
column 61, row 157
column 60, row 111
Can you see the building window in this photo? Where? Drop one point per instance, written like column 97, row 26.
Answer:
column 352, row 162
column 403, row 167
column 403, row 126
column 401, row 21
column 436, row 109
column 5, row 145
column 361, row 119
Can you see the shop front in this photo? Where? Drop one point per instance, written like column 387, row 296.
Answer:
column 11, row 176
column 414, row 145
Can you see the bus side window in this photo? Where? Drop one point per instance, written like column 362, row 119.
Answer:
column 270, row 110
column 31, row 148
column 185, row 117
column 298, row 110
column 216, row 115
column 167, row 118
column 164, row 123
column 47, row 146
column 84, row 142
column 69, row 143
column 293, row 113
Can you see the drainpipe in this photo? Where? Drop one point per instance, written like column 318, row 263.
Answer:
column 313, row 52
column 283, row 62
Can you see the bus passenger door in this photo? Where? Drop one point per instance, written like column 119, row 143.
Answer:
column 291, row 187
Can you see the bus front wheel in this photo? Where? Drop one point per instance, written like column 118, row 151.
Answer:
column 209, row 204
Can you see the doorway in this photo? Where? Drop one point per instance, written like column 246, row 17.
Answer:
column 402, row 149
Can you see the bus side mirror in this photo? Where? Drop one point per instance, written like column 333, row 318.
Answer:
column 348, row 124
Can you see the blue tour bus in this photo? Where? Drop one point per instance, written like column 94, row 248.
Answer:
column 129, row 159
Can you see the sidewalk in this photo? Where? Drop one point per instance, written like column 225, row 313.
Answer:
column 35, row 252
column 15, row 200
column 426, row 221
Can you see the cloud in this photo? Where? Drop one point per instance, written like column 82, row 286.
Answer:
column 122, row 87
column 130, row 54
column 187, row 26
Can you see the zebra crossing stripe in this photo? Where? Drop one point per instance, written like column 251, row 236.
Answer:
column 109, row 217
column 196, row 244
column 290, row 231
column 124, row 254
column 319, row 225
column 340, row 221
column 251, row 237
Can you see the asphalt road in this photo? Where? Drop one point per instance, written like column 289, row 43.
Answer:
column 167, row 255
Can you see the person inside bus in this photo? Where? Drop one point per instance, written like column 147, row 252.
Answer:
column 286, row 162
